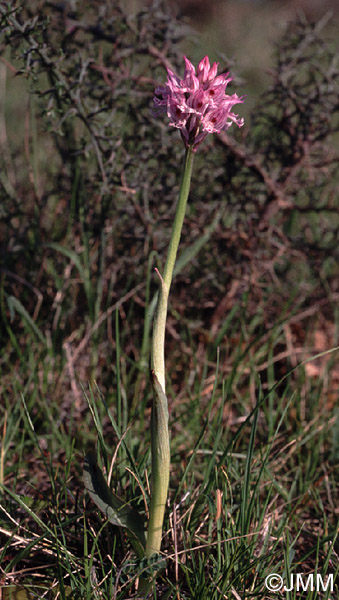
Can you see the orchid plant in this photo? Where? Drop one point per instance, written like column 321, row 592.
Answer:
column 197, row 105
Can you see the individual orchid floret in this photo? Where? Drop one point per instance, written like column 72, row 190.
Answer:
column 198, row 103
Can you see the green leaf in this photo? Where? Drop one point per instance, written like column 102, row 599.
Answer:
column 117, row 511
column 191, row 251
column 15, row 305
column 73, row 256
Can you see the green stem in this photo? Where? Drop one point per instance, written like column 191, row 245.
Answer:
column 159, row 421
column 158, row 341
column 160, row 467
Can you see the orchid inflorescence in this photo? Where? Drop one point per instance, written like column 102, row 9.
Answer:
column 197, row 104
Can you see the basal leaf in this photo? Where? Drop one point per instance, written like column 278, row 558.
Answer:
column 117, row 511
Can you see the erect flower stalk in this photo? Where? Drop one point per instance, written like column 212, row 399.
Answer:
column 159, row 420
column 158, row 340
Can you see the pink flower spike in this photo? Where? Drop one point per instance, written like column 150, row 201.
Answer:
column 198, row 103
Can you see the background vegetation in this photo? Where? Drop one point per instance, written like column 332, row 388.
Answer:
column 89, row 180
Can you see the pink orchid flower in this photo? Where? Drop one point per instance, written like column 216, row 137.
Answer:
column 197, row 104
